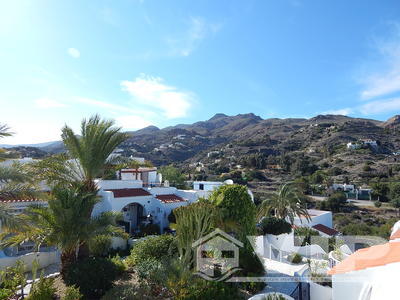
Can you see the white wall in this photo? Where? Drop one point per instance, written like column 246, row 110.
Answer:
column 319, row 292
column 44, row 259
column 119, row 184
column 208, row 185
column 384, row 281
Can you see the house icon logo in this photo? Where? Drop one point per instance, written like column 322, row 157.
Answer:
column 217, row 255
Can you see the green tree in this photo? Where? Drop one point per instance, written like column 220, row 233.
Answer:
column 337, row 201
column 173, row 175
column 395, row 202
column 394, row 190
column 63, row 223
column 380, row 190
column 15, row 184
column 92, row 148
column 286, row 202
column 235, row 205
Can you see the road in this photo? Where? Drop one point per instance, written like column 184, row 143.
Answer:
column 352, row 201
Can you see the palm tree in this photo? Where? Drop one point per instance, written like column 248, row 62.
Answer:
column 92, row 149
column 4, row 131
column 63, row 224
column 286, row 202
column 14, row 184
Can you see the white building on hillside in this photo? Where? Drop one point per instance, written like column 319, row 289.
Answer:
column 320, row 220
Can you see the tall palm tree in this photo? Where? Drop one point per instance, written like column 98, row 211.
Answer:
column 63, row 224
column 98, row 139
column 286, row 202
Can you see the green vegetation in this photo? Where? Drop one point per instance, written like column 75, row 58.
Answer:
column 43, row 290
column 275, row 226
column 94, row 276
column 174, row 176
column 158, row 248
column 335, row 203
column 287, row 202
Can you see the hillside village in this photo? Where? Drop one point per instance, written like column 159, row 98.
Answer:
column 302, row 206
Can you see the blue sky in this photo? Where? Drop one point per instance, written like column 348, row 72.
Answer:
column 145, row 62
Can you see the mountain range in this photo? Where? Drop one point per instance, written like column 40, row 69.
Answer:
column 249, row 133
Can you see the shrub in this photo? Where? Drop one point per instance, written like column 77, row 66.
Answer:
column 202, row 289
column 149, row 229
column 337, row 201
column 157, row 247
column 378, row 204
column 276, row 226
column 274, row 297
column 10, row 278
column 43, row 290
column 302, row 236
column 100, row 245
column 148, row 269
column 72, row 293
column 119, row 264
column 128, row 292
column 94, row 276
column 296, row 258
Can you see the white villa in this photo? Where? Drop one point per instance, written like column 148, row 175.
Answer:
column 369, row 274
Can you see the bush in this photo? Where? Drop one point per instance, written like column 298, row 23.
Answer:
column 94, row 276
column 100, row 245
column 157, row 247
column 128, row 292
column 302, row 236
column 72, row 293
column 203, row 290
column 337, row 201
column 119, row 264
column 43, row 290
column 378, row 204
column 148, row 269
column 149, row 229
column 296, row 258
column 276, row 226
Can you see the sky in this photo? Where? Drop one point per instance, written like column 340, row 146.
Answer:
column 148, row 62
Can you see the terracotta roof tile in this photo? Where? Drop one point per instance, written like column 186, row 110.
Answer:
column 170, row 198
column 325, row 229
column 132, row 192
column 374, row 256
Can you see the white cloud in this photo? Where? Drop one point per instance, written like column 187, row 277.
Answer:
column 343, row 111
column 132, row 122
column 381, row 106
column 74, row 52
column 386, row 79
column 48, row 103
column 390, row 105
column 154, row 93
column 198, row 30
column 102, row 104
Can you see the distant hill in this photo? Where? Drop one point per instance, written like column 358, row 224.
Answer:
column 244, row 134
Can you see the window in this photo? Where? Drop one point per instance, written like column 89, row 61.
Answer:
column 201, row 186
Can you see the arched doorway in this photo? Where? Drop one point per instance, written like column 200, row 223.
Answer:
column 133, row 215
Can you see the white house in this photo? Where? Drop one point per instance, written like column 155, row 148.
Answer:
column 10, row 162
column 148, row 176
column 369, row 274
column 353, row 146
column 141, row 204
column 316, row 217
column 343, row 187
